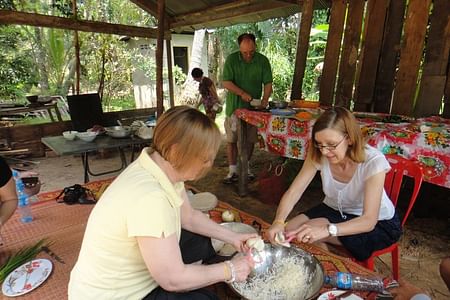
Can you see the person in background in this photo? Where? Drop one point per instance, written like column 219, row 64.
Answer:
column 247, row 75
column 143, row 236
column 8, row 195
column 208, row 94
column 356, row 212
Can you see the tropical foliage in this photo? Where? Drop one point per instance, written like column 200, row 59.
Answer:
column 42, row 60
column 277, row 39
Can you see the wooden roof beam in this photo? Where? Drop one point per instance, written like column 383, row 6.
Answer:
column 151, row 8
column 21, row 18
column 224, row 12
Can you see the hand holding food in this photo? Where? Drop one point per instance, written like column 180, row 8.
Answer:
column 255, row 243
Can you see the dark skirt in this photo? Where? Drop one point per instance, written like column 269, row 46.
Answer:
column 361, row 245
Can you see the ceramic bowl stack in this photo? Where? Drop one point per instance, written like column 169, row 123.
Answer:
column 87, row 136
column 70, row 135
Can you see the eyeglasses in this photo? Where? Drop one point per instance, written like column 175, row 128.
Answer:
column 329, row 147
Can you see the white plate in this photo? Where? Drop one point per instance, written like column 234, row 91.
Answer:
column 27, row 277
column 331, row 294
column 203, row 201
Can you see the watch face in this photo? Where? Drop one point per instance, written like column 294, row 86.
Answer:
column 332, row 229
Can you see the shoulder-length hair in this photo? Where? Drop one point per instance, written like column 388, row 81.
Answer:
column 183, row 135
column 342, row 120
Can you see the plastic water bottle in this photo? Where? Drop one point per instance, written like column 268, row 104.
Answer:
column 358, row 282
column 24, row 206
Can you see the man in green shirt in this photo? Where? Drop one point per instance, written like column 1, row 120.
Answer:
column 247, row 75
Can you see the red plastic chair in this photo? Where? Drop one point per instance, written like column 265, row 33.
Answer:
column 393, row 184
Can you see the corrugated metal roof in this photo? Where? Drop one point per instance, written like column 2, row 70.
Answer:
column 188, row 15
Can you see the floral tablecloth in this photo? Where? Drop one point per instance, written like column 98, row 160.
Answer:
column 425, row 141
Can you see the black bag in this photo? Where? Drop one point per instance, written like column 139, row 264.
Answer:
column 76, row 194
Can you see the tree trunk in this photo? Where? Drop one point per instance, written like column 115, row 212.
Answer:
column 190, row 87
column 40, row 60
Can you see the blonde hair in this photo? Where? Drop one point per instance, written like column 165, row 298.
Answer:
column 183, row 135
column 342, row 120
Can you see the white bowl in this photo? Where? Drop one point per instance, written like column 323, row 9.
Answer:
column 70, row 135
column 87, row 136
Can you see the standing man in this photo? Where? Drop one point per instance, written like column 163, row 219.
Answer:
column 245, row 73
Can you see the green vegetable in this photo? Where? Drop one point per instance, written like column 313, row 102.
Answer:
column 22, row 256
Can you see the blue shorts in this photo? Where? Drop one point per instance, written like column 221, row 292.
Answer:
column 361, row 245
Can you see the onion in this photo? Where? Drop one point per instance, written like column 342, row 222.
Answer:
column 228, row 216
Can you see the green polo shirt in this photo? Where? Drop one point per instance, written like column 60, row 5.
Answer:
column 251, row 77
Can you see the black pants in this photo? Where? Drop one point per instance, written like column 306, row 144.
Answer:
column 194, row 247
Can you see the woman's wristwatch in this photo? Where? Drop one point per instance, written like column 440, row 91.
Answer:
column 332, row 229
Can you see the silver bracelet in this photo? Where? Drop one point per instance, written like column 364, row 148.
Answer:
column 232, row 271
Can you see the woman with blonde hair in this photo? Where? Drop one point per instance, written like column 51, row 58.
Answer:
column 356, row 212
column 143, row 236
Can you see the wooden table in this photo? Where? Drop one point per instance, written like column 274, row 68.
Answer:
column 62, row 146
column 48, row 107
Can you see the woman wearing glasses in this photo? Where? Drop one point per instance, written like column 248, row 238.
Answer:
column 356, row 212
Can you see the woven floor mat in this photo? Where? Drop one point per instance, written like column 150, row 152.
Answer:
column 64, row 225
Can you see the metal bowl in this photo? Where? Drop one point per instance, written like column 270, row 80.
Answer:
column 118, row 131
column 278, row 104
column 259, row 286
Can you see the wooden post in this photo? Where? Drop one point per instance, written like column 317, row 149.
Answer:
column 169, row 71
column 446, row 113
column 77, row 49
column 159, row 59
column 349, row 56
column 302, row 47
column 243, row 157
column 330, row 66
column 410, row 56
column 434, row 72
column 390, row 49
column 374, row 22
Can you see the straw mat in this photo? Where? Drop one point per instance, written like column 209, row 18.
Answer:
column 64, row 225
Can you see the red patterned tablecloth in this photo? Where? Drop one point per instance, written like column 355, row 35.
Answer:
column 425, row 141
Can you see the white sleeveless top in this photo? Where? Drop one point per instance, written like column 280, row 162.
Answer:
column 349, row 197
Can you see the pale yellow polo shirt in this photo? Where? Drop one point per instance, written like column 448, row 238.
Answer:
column 141, row 201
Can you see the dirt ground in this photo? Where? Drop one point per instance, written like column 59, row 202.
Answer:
column 426, row 236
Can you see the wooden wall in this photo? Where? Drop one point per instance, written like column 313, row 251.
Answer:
column 388, row 56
